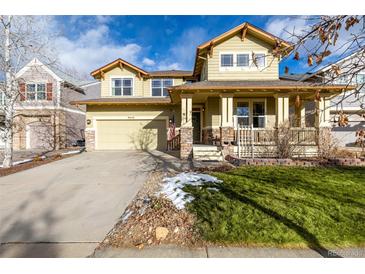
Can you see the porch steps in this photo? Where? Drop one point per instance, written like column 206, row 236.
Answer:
column 207, row 153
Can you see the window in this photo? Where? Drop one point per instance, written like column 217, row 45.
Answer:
column 122, row 86
column 227, row 60
column 160, row 86
column 243, row 113
column 36, row 92
column 260, row 60
column 242, row 60
column 41, row 92
column 258, row 117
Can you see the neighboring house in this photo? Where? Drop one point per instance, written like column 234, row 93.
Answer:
column 351, row 104
column 235, row 84
column 45, row 119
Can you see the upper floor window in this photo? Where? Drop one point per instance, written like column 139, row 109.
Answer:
column 160, row 86
column 36, row 92
column 122, row 86
column 243, row 60
column 238, row 61
column 227, row 60
column 360, row 79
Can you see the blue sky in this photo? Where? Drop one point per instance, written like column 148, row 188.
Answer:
column 153, row 42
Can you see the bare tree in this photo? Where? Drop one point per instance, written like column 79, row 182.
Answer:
column 21, row 38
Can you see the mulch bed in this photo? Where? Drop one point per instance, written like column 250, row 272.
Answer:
column 34, row 163
column 147, row 212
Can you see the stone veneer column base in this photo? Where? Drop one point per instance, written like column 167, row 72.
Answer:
column 227, row 138
column 325, row 144
column 90, row 139
column 186, row 143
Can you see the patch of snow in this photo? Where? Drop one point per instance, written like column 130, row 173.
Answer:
column 213, row 188
column 23, row 161
column 172, row 186
column 72, row 152
column 126, row 215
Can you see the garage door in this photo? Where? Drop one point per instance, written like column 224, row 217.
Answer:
column 131, row 134
column 39, row 136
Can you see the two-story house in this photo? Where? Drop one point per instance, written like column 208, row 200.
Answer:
column 44, row 118
column 350, row 103
column 233, row 100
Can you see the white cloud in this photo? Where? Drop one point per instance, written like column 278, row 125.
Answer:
column 284, row 27
column 92, row 49
column 169, row 66
column 148, row 62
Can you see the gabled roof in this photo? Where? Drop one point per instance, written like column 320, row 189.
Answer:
column 98, row 73
column 54, row 71
column 176, row 73
column 243, row 29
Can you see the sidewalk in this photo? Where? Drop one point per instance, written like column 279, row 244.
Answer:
column 167, row 251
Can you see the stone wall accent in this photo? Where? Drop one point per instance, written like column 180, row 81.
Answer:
column 186, row 143
column 325, row 142
column 90, row 139
column 290, row 162
column 209, row 134
column 227, row 135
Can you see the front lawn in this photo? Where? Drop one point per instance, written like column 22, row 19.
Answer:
column 283, row 206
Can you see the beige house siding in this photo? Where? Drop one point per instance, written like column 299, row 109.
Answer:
column 133, row 112
column 141, row 87
column 249, row 45
column 212, row 113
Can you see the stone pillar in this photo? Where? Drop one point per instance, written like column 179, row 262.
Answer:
column 282, row 110
column 186, row 143
column 186, row 129
column 90, row 139
column 323, row 125
column 227, row 127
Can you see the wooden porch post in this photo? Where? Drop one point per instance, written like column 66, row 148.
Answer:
column 300, row 115
column 186, row 110
column 282, row 109
column 322, row 117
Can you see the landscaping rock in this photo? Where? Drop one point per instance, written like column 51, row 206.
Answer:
column 161, row 233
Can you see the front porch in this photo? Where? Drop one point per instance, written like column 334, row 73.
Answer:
column 254, row 124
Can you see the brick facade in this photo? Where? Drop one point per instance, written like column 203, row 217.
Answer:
column 90, row 139
column 186, row 143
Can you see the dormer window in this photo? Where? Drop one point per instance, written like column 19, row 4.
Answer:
column 227, row 60
column 36, row 92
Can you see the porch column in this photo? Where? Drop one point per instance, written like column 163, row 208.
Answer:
column 186, row 129
column 322, row 123
column 227, row 127
column 300, row 115
column 282, row 110
column 322, row 117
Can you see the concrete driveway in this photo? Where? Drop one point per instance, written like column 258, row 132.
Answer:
column 63, row 209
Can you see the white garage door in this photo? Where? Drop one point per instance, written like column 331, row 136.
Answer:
column 39, row 136
column 131, row 134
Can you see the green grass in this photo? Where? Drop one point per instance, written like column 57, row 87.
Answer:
column 283, row 206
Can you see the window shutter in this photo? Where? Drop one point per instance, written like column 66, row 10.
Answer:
column 49, row 91
column 22, row 91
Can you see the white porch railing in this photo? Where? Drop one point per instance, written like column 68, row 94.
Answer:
column 262, row 142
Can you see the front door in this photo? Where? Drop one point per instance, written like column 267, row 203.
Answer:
column 196, row 126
